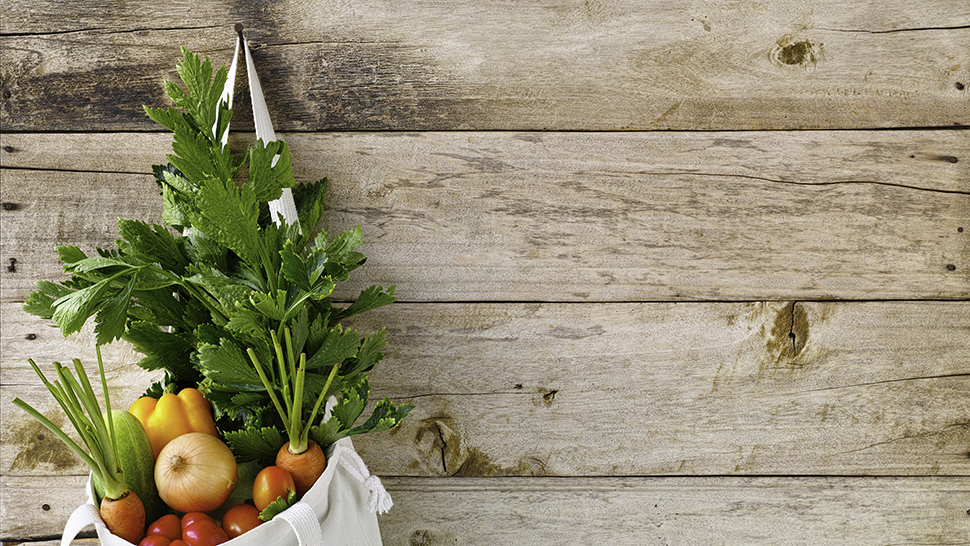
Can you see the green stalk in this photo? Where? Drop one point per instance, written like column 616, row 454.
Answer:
column 58, row 392
column 271, row 279
column 107, row 407
column 285, row 377
column 298, row 429
column 86, row 395
column 316, row 407
column 75, row 396
column 103, row 438
column 83, row 425
column 295, row 307
column 289, row 353
column 88, row 460
column 267, row 384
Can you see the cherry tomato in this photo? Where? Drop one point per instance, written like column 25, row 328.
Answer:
column 192, row 517
column 155, row 540
column 204, row 533
column 271, row 483
column 169, row 526
column 239, row 519
column 178, row 542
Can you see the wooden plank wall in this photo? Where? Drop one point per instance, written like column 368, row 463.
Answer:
column 687, row 272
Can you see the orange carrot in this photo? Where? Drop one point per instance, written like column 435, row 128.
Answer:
column 306, row 468
column 124, row 517
column 301, row 457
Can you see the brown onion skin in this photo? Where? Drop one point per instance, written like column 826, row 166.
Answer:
column 195, row 472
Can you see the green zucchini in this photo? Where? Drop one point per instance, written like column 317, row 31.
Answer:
column 137, row 461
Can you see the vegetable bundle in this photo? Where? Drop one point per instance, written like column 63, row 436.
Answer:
column 229, row 300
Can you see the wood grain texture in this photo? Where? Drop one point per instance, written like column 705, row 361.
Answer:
column 26, row 447
column 492, row 65
column 633, row 389
column 613, row 333
column 569, row 216
column 643, row 389
column 653, row 511
column 808, row 511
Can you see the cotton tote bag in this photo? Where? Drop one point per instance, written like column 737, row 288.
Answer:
column 341, row 508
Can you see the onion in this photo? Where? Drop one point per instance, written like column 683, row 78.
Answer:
column 195, row 472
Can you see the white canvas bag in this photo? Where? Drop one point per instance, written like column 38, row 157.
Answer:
column 341, row 508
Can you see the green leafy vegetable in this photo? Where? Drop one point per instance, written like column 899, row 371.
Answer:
column 206, row 296
column 277, row 506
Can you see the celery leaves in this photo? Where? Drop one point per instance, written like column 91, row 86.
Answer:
column 207, row 296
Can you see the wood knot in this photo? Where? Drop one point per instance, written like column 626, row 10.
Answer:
column 803, row 54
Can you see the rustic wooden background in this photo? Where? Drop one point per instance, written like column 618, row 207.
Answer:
column 686, row 272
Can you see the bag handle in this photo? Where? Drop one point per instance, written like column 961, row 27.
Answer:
column 84, row 515
column 304, row 522
column 380, row 500
column 284, row 206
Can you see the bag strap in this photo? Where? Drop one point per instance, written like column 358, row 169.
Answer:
column 305, row 525
column 284, row 206
column 84, row 515
column 380, row 500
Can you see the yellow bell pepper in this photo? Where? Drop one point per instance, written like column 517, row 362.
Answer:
column 171, row 416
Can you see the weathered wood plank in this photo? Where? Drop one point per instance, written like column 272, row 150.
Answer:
column 677, row 389
column 48, row 209
column 538, row 511
column 727, row 511
column 26, row 447
column 925, row 159
column 577, row 216
column 530, row 389
column 37, row 507
column 565, row 65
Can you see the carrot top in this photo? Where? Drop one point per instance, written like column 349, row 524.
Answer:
column 75, row 396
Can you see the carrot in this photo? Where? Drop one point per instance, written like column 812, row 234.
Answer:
column 120, row 509
column 301, row 456
column 306, row 468
column 124, row 517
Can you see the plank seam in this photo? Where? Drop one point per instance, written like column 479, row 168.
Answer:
column 923, row 128
column 101, row 31
column 637, row 173
column 895, row 30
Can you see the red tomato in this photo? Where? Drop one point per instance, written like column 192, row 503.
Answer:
column 178, row 542
column 239, row 519
column 271, row 483
column 169, row 526
column 192, row 517
column 204, row 533
column 155, row 540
